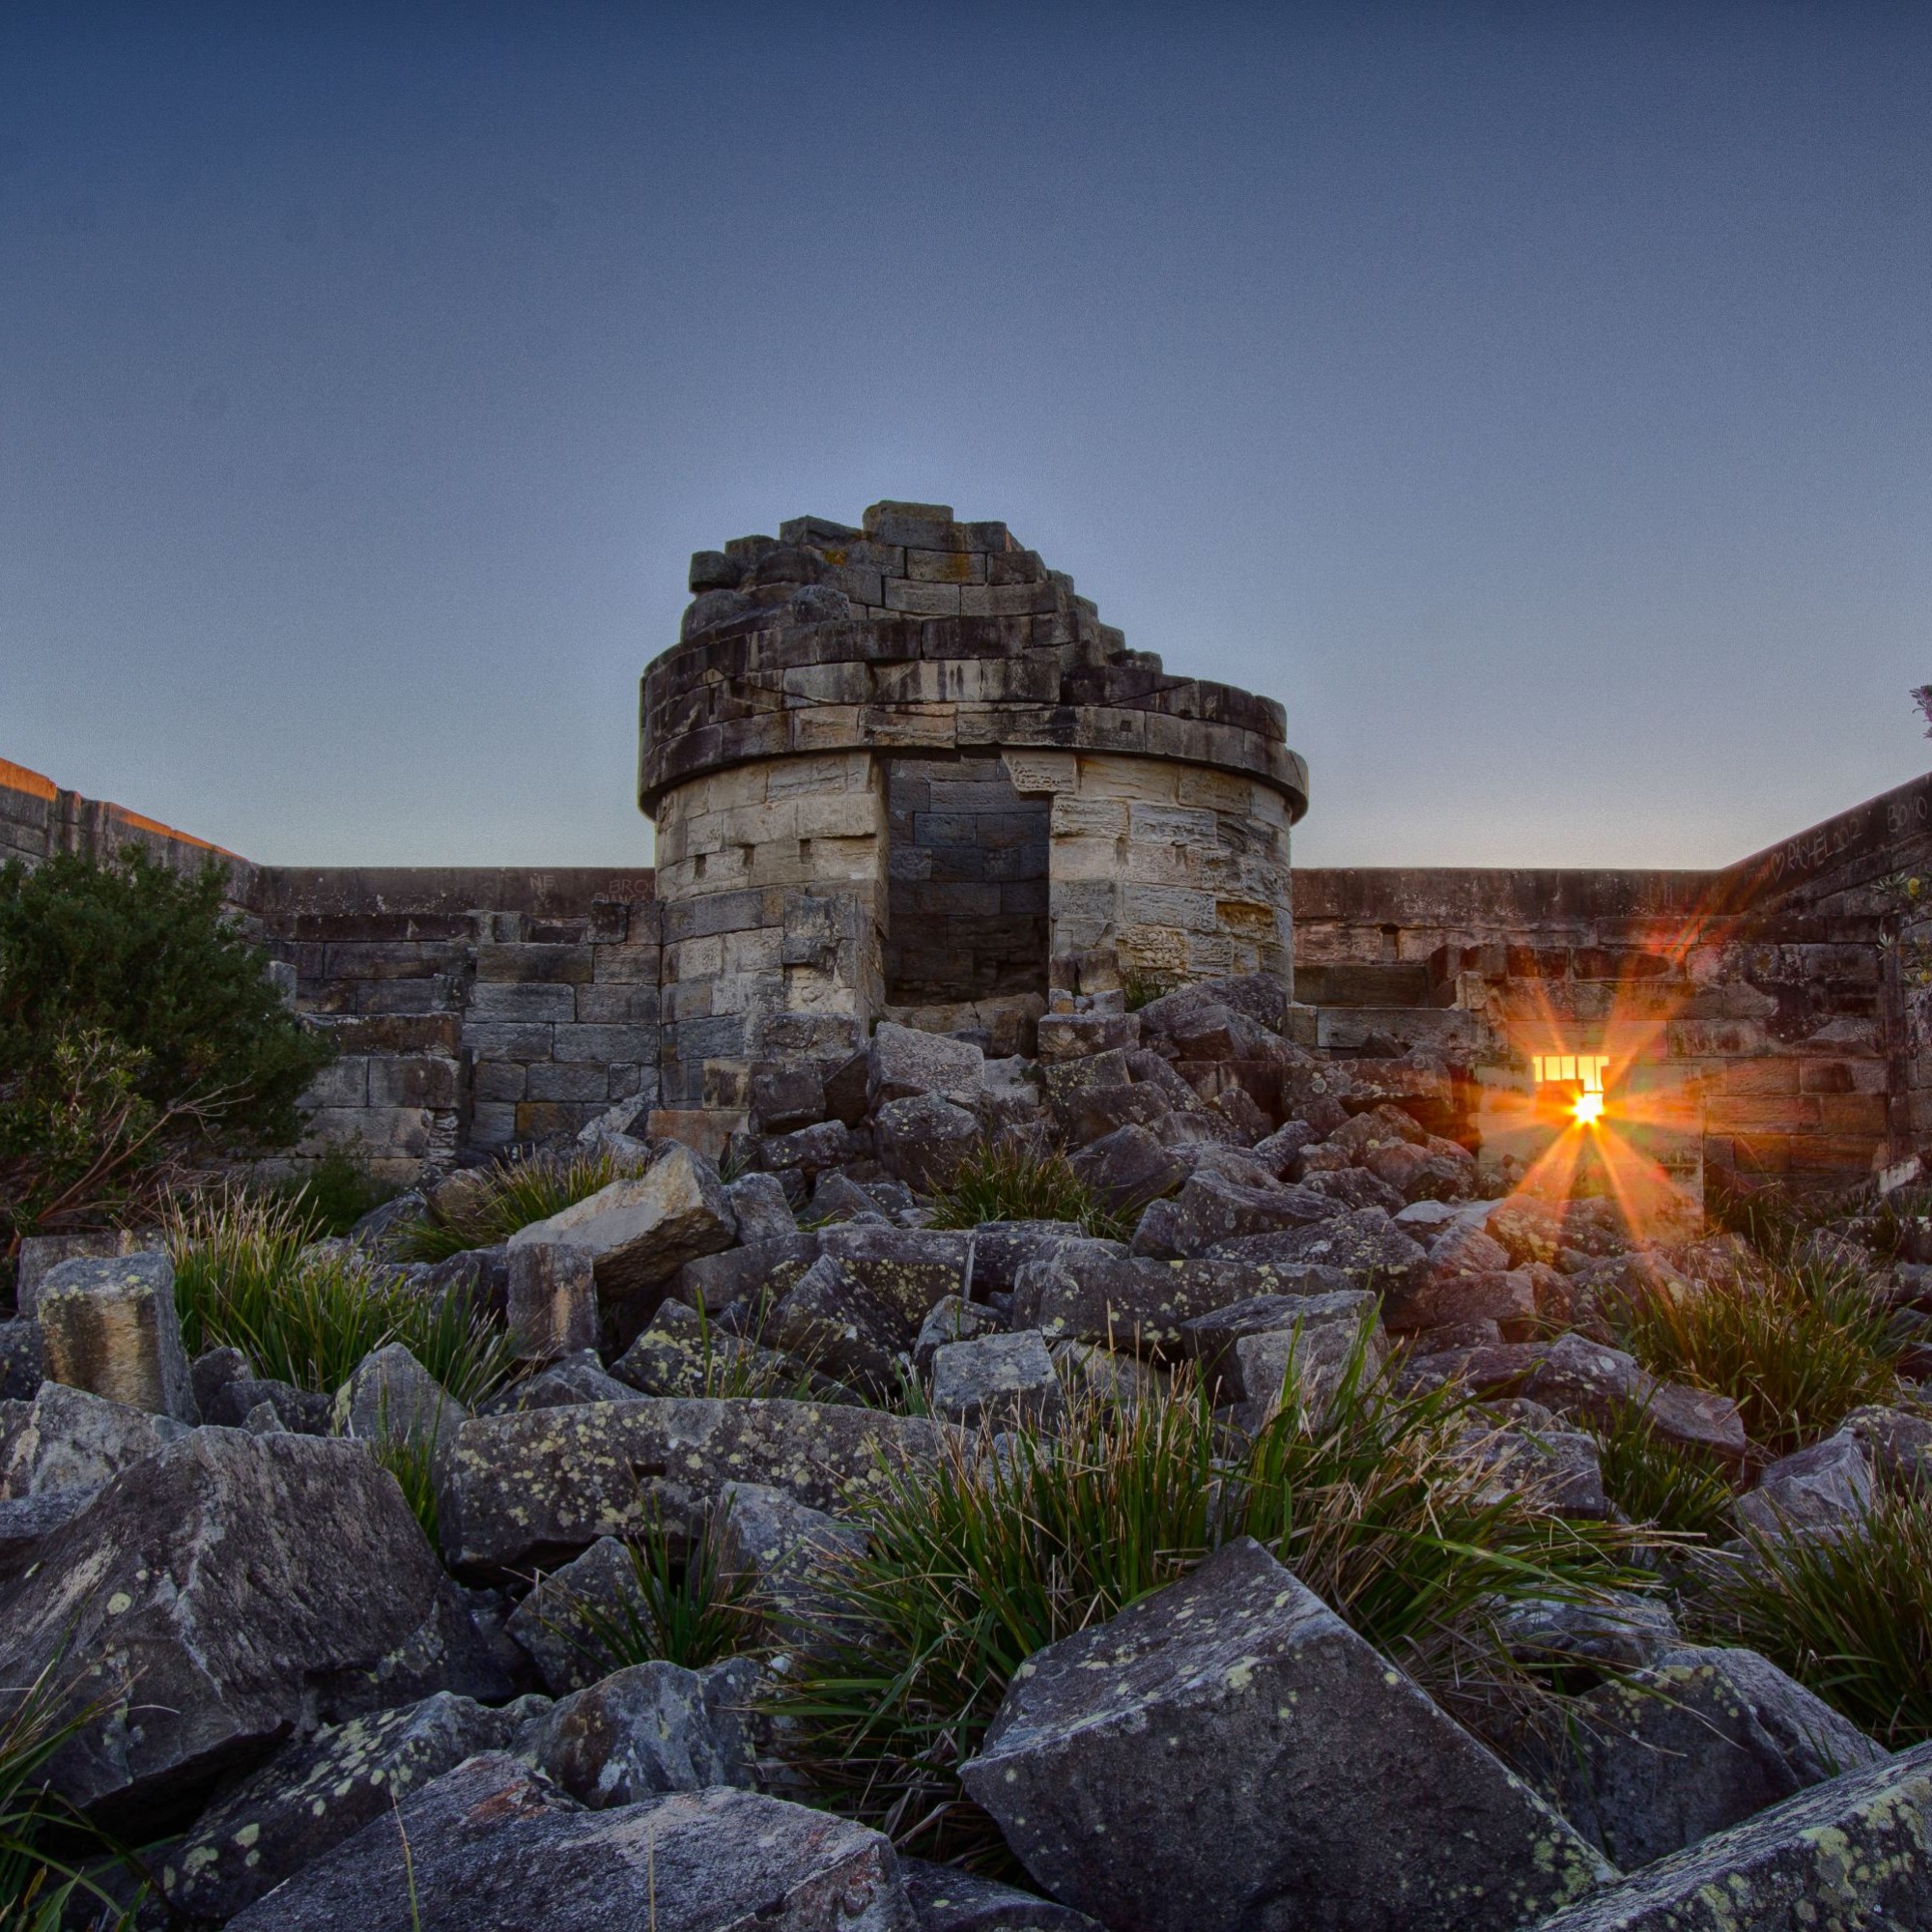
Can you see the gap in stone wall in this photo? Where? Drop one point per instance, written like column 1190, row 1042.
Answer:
column 967, row 896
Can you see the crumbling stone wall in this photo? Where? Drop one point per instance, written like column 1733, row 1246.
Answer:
column 39, row 820
column 818, row 660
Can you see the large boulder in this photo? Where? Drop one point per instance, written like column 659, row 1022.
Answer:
column 1128, row 1168
column 1365, row 1246
column 635, row 1734
column 1229, row 1754
column 526, row 1488
column 922, row 1139
column 908, row 1271
column 902, row 1063
column 108, row 1326
column 996, row 1379
column 640, row 1232
column 1854, row 1853
column 778, row 1551
column 1211, row 1209
column 1695, row 1744
column 492, row 1846
column 316, row 1792
column 1330, row 1335
column 231, row 1580
column 1825, row 1486
column 832, row 1319
column 392, row 1398
column 578, row 1622
column 68, row 1439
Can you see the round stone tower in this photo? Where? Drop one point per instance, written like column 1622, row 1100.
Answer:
column 904, row 767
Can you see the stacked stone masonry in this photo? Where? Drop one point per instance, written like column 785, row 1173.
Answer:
column 903, row 763
column 902, row 769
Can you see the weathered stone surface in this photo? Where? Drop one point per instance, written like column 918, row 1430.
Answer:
column 777, row 1546
column 316, row 1793
column 834, row 1322
column 811, row 1151
column 1075, row 1036
column 1328, row 1333
column 1129, row 1168
column 1228, row 1753
column 392, row 1397
column 637, row 1734
column 642, row 1231
column 574, row 1620
column 997, row 1380
column 1210, row 1339
column 1578, row 1377
column 1825, row 1486
column 953, row 1320
column 1898, row 1442
column 303, row 1411
column 1441, row 1302
column 1695, row 1744
column 1625, row 1632
column 762, row 1268
column 564, row 1383
column 27, row 1522
column 1365, row 1246
column 495, row 1847
column 41, row 1254
column 909, row 1270
column 550, row 1304
column 1210, row 1210
column 681, row 1353
column 68, row 1439
column 1851, row 1855
column 108, row 1326
column 760, row 1208
column 787, row 1097
column 22, row 1360
column 526, row 1487
column 946, row 1899
column 902, row 1064
column 217, row 1573
column 921, row 1141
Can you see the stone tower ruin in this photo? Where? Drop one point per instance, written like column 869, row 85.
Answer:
column 903, row 769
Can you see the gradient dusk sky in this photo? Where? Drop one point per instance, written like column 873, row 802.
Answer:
column 1535, row 398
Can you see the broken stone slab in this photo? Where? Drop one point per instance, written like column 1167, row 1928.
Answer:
column 1354, row 1188
column 838, row 1197
column 1328, row 1335
column 1364, row 1245
column 953, row 1320
column 494, row 1843
column 1621, row 1633
column 640, row 1232
column 945, row 1898
column 27, row 1522
column 22, row 1360
column 908, row 1271
column 1697, row 1743
column 902, row 1064
column 786, row 1098
column 234, row 1575
column 1578, row 1376
column 679, row 1353
column 760, row 1208
column 1209, row 1340
column 1443, row 1302
column 302, row 1411
column 922, row 1139
column 524, row 1489
column 1321, row 1785
column 1826, row 1485
column 108, row 1326
column 550, row 1302
column 392, row 1398
column 761, row 1269
column 41, row 1254
column 811, row 1152
column 1001, row 1380
column 639, row 1733
column 1562, row 1467
column 1000, row 1249
column 1850, row 1853
column 834, row 1322
column 1129, row 1168
column 1211, row 1209
column 316, row 1793
column 1898, row 1443
column 778, row 1549
column 579, row 1620
column 561, row 1385
column 68, row 1439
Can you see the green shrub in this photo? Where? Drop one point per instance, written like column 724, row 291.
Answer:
column 1850, row 1616
column 243, row 1280
column 1654, row 1481
column 511, row 1197
column 124, row 992
column 42, row 1888
column 1796, row 1345
column 334, row 1192
column 1007, row 1181
column 975, row 1563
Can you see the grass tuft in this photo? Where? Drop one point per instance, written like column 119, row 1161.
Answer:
column 243, row 1280
column 1010, row 1180
column 981, row 1560
column 511, row 1198
column 1654, row 1481
column 1850, row 1615
column 1796, row 1345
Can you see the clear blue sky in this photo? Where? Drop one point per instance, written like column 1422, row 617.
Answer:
column 1535, row 398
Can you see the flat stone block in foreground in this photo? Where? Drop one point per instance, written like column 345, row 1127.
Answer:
column 1229, row 1757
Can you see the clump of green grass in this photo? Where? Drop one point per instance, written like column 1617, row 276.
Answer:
column 243, row 1280
column 979, row 1560
column 334, row 1192
column 1796, row 1345
column 511, row 1198
column 42, row 1888
column 1142, row 987
column 1849, row 1615
column 1654, row 1481
column 683, row 1610
column 1020, row 1181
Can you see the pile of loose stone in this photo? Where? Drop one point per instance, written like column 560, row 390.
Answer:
column 330, row 1718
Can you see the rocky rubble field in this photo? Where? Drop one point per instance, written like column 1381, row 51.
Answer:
column 567, row 1677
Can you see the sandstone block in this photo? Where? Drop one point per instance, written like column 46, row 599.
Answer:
column 108, row 1326
column 552, row 1307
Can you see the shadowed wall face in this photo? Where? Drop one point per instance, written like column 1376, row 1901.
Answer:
column 966, row 911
